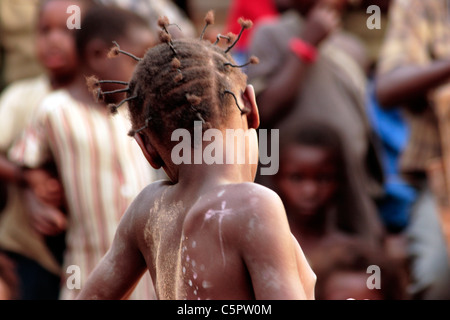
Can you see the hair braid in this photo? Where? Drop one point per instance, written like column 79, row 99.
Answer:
column 205, row 77
column 181, row 81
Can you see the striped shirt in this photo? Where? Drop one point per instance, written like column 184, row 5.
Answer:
column 101, row 169
column 418, row 33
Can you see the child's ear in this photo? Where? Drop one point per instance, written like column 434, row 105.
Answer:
column 149, row 151
column 249, row 99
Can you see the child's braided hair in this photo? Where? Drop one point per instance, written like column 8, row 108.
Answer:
column 182, row 81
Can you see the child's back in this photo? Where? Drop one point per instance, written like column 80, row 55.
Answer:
column 209, row 232
column 211, row 242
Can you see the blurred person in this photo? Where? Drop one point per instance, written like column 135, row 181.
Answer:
column 310, row 70
column 390, row 127
column 17, row 50
column 152, row 10
column 393, row 131
column 100, row 168
column 347, row 269
column 322, row 197
column 355, row 20
column 37, row 257
column 413, row 62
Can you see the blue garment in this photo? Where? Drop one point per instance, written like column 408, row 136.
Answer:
column 393, row 132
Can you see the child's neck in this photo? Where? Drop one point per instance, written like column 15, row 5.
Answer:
column 205, row 176
column 60, row 82
column 226, row 170
column 79, row 90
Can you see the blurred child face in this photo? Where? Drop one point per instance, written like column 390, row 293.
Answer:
column 343, row 285
column 137, row 42
column 307, row 180
column 55, row 42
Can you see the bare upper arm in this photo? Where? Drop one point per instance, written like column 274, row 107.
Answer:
column 123, row 265
column 275, row 262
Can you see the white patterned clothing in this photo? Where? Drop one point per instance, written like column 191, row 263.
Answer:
column 102, row 169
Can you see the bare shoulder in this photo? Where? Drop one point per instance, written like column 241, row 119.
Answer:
column 242, row 208
column 252, row 199
column 261, row 213
column 140, row 209
column 253, row 194
column 150, row 193
column 271, row 254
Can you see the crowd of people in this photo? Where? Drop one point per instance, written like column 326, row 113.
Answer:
column 358, row 134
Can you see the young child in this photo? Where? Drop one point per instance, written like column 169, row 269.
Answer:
column 351, row 270
column 311, row 70
column 100, row 168
column 321, row 197
column 208, row 232
column 34, row 254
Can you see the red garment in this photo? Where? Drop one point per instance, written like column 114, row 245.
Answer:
column 255, row 10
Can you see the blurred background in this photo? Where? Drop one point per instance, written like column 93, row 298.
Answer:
column 364, row 149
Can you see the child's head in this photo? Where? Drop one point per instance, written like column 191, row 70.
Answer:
column 310, row 171
column 348, row 268
column 191, row 80
column 55, row 42
column 174, row 90
column 100, row 28
column 182, row 81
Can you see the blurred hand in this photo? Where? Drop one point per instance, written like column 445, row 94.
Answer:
column 321, row 21
column 46, row 187
column 45, row 197
column 44, row 218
